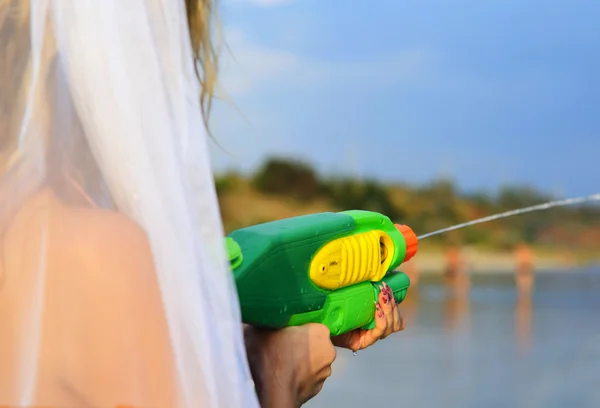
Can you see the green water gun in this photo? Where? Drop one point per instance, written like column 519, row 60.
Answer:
column 323, row 268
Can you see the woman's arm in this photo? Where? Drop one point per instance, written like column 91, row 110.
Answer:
column 106, row 338
column 289, row 366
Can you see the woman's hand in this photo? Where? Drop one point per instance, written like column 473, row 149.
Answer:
column 289, row 366
column 387, row 321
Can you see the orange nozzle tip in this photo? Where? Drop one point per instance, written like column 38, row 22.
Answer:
column 411, row 240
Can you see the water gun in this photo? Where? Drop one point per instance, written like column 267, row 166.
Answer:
column 323, row 268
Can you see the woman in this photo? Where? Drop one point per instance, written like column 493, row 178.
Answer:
column 114, row 287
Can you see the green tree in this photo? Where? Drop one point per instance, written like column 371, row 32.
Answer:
column 369, row 195
column 288, row 177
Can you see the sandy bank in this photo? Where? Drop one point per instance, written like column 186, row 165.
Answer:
column 485, row 262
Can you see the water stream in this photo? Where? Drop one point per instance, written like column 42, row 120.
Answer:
column 538, row 207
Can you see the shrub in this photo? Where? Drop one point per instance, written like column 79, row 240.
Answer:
column 287, row 177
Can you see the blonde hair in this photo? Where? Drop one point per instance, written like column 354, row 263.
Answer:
column 14, row 69
column 14, row 64
column 202, row 19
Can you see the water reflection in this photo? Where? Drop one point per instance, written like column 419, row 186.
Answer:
column 456, row 305
column 457, row 285
column 483, row 340
column 523, row 308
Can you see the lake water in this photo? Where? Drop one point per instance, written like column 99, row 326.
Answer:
column 485, row 350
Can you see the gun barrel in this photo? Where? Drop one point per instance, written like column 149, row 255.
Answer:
column 411, row 240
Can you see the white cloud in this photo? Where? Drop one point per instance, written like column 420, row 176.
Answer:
column 250, row 127
column 399, row 67
column 261, row 3
column 249, row 66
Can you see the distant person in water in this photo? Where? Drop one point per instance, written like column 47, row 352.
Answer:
column 524, row 272
column 456, row 282
column 524, row 278
column 455, row 264
column 411, row 269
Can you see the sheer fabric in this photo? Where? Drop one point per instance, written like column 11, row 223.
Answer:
column 102, row 140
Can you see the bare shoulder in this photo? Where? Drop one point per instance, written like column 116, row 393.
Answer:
column 79, row 232
column 94, row 250
column 126, row 319
column 105, row 233
column 112, row 252
column 101, row 289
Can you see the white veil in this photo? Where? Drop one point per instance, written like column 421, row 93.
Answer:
column 99, row 105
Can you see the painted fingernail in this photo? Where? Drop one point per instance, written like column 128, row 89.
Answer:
column 379, row 311
column 386, row 298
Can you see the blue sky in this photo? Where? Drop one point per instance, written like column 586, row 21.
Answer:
column 486, row 92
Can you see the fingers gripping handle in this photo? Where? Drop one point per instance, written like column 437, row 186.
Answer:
column 398, row 282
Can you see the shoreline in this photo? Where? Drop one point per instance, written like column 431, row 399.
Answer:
column 488, row 262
